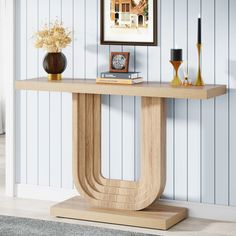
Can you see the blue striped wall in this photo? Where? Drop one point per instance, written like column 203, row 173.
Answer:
column 201, row 150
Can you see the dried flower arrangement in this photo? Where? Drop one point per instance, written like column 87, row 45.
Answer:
column 53, row 38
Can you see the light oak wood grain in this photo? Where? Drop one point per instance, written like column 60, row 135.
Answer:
column 118, row 194
column 40, row 210
column 36, row 209
column 151, row 89
column 154, row 217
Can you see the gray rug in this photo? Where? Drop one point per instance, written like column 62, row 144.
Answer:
column 14, row 226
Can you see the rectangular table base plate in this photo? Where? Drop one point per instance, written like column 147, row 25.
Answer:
column 157, row 216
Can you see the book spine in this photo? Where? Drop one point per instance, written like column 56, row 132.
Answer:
column 117, row 81
column 114, row 81
column 120, row 76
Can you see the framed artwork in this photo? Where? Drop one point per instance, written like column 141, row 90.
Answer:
column 129, row 22
column 119, row 62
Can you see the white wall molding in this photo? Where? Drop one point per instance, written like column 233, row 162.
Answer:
column 196, row 210
column 205, row 211
column 43, row 193
column 9, row 77
column 2, row 82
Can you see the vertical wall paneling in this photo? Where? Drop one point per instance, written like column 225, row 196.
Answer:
column 232, row 112
column 32, row 97
column 66, row 106
column 154, row 53
column 141, row 61
column 79, row 38
column 103, row 65
column 91, row 30
column 180, row 133
column 43, row 108
column 208, row 111
column 128, row 127
column 200, row 134
column 167, row 30
column 222, row 104
column 21, row 104
column 194, row 108
column 221, row 69
column 55, row 117
column 116, row 159
column 116, row 131
column 17, row 97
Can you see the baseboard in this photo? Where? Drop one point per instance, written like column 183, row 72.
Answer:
column 206, row 211
column 197, row 210
column 43, row 193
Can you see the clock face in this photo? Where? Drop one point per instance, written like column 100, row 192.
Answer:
column 118, row 62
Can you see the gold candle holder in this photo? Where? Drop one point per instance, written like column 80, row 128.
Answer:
column 199, row 80
column 176, row 80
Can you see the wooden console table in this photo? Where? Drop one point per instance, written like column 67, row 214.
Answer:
column 117, row 201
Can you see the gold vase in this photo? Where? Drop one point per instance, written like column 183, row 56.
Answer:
column 199, row 80
column 176, row 80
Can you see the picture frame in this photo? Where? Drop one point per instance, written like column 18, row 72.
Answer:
column 119, row 62
column 129, row 22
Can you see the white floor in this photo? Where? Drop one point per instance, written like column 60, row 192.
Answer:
column 40, row 210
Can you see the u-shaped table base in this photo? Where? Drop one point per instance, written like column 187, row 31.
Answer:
column 118, row 201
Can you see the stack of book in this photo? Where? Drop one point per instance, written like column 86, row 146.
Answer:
column 119, row 78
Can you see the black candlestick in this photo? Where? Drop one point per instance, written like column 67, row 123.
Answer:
column 199, row 30
column 176, row 55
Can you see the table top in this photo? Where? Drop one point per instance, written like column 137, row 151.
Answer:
column 146, row 89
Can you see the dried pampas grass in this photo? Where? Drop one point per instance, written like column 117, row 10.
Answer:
column 53, row 38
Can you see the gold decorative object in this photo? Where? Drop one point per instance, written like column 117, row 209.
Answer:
column 54, row 76
column 186, row 82
column 176, row 80
column 199, row 80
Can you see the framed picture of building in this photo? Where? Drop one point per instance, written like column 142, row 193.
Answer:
column 129, row 22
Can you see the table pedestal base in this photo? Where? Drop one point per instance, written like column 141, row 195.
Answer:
column 156, row 216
